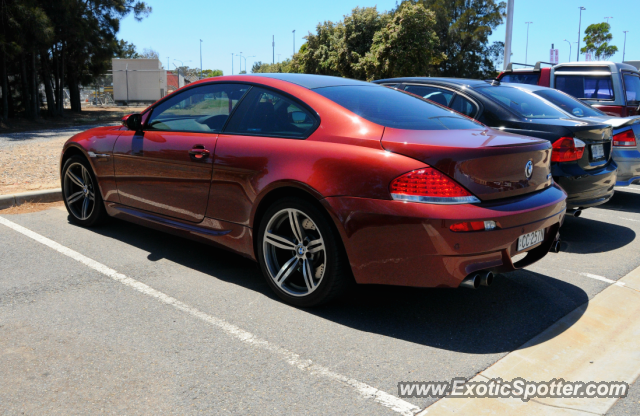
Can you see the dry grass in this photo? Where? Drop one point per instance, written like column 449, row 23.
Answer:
column 28, row 207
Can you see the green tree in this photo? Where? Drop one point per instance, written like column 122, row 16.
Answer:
column 285, row 66
column 463, row 27
column 208, row 73
column 596, row 39
column 126, row 50
column 406, row 46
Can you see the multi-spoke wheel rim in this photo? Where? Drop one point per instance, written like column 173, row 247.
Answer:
column 294, row 252
column 79, row 191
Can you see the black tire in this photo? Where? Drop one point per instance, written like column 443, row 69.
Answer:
column 328, row 268
column 76, row 172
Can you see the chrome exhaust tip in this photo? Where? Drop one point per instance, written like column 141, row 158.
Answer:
column 575, row 212
column 486, row 278
column 472, row 281
column 555, row 247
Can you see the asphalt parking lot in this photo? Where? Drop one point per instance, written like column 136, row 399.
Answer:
column 206, row 334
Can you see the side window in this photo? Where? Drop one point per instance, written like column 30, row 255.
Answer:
column 200, row 109
column 632, row 88
column 437, row 95
column 464, row 106
column 584, row 86
column 531, row 79
column 266, row 113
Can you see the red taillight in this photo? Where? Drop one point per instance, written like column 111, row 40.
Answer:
column 624, row 139
column 567, row 149
column 473, row 226
column 431, row 186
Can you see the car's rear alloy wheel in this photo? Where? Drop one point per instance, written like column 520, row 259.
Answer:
column 299, row 254
column 81, row 194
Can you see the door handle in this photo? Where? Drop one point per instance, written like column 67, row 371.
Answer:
column 198, row 153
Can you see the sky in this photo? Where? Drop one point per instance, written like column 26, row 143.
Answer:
column 228, row 28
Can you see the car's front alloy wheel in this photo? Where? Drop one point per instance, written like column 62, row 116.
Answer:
column 81, row 194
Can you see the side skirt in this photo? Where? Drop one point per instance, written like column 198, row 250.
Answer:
column 227, row 235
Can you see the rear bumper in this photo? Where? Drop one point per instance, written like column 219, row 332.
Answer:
column 410, row 244
column 628, row 161
column 585, row 188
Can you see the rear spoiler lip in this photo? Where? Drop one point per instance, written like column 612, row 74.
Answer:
column 619, row 122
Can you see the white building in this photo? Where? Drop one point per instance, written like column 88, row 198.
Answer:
column 139, row 80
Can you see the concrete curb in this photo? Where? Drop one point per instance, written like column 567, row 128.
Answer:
column 46, row 195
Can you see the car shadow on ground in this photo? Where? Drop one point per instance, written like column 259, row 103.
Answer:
column 583, row 236
column 623, row 201
column 487, row 320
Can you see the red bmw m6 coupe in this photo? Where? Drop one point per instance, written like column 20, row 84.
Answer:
column 323, row 181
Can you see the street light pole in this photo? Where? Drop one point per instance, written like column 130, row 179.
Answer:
column 607, row 18
column 200, row 58
column 231, row 63
column 624, row 48
column 507, row 40
column 294, row 41
column 579, row 34
column 240, row 62
column 526, row 51
column 273, row 49
column 569, row 49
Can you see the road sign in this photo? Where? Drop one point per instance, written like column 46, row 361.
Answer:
column 553, row 56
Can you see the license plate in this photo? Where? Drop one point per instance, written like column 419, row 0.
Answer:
column 531, row 239
column 597, row 151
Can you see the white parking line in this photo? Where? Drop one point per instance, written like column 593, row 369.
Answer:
column 602, row 278
column 629, row 219
column 385, row 399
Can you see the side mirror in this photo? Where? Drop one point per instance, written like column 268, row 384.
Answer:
column 132, row 122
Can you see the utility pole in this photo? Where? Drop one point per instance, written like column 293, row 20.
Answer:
column 569, row 49
column 526, row 51
column 294, row 42
column 168, row 62
column 200, row 58
column 507, row 40
column 624, row 48
column 579, row 34
column 231, row 63
column 273, row 49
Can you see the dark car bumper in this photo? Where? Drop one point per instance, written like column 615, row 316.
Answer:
column 410, row 244
column 585, row 188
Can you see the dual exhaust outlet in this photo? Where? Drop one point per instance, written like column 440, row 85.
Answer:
column 477, row 279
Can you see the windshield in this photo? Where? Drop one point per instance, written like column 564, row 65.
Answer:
column 391, row 108
column 568, row 103
column 521, row 102
column 632, row 88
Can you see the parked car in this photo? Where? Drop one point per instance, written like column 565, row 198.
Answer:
column 581, row 159
column 613, row 88
column 320, row 179
column 625, row 130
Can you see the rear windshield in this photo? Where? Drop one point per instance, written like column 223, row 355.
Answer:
column 523, row 103
column 586, row 86
column 531, row 79
column 569, row 104
column 392, row 108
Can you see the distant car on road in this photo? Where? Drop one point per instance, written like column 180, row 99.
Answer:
column 581, row 159
column 322, row 179
column 613, row 88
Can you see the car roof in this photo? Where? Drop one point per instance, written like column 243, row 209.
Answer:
column 314, row 81
column 451, row 81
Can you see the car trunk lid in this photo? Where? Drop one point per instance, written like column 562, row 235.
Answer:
column 489, row 163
